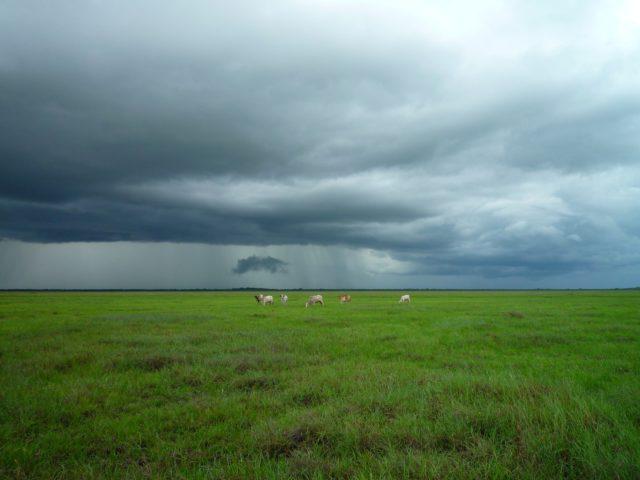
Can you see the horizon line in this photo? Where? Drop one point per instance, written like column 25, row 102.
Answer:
column 255, row 289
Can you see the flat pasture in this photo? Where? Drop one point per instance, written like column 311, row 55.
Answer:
column 539, row 384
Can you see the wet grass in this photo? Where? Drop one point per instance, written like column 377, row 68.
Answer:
column 212, row 385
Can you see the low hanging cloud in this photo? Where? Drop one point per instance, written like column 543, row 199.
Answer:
column 256, row 264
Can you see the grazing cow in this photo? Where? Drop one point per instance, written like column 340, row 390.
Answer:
column 405, row 299
column 345, row 298
column 283, row 298
column 264, row 299
column 313, row 299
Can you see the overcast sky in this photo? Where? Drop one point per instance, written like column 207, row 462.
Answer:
column 195, row 144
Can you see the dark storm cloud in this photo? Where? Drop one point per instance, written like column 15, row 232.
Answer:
column 256, row 264
column 505, row 142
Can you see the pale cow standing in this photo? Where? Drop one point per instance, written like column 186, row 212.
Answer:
column 284, row 298
column 313, row 299
column 264, row 299
column 405, row 299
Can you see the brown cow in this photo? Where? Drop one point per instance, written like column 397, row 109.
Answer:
column 344, row 298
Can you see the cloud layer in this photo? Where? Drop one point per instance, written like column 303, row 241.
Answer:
column 493, row 141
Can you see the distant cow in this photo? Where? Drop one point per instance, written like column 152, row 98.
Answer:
column 345, row 298
column 264, row 299
column 313, row 299
column 283, row 298
column 405, row 299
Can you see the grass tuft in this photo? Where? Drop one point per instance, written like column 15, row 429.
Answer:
column 255, row 383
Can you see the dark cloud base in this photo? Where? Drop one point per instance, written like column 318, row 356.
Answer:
column 256, row 264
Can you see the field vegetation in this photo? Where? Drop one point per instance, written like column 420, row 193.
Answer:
column 212, row 385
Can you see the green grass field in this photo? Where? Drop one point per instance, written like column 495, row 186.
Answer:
column 212, row 385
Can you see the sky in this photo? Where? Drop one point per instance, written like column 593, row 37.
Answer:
column 319, row 144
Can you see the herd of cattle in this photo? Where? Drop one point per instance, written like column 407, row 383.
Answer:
column 314, row 299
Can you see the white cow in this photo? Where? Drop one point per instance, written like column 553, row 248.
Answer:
column 405, row 299
column 283, row 298
column 313, row 299
column 264, row 299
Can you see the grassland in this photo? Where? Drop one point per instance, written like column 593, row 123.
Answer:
column 212, row 385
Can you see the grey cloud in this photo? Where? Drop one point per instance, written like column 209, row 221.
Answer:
column 256, row 264
column 461, row 145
